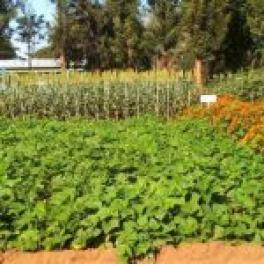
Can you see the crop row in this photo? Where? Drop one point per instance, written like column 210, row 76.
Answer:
column 116, row 95
column 136, row 184
column 101, row 100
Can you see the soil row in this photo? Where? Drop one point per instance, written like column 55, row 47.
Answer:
column 216, row 253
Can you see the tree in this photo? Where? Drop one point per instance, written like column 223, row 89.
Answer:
column 238, row 43
column 128, row 30
column 29, row 29
column 7, row 12
column 75, row 37
column 203, row 29
column 106, row 36
column 85, row 19
column 59, row 33
column 256, row 25
column 256, row 17
column 213, row 34
column 161, row 29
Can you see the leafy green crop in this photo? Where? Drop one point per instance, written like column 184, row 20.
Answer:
column 136, row 184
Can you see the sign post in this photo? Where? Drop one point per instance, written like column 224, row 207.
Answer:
column 208, row 99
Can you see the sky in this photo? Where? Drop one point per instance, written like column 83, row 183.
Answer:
column 41, row 7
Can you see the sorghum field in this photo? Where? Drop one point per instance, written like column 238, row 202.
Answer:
column 129, row 160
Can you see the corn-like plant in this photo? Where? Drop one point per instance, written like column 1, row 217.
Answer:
column 97, row 95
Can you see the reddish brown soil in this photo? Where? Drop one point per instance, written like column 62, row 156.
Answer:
column 212, row 253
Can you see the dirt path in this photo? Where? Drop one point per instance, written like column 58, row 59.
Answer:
column 213, row 253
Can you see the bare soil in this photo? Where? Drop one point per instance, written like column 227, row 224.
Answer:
column 210, row 253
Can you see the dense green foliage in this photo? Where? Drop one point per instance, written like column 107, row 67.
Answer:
column 256, row 10
column 127, row 29
column 6, row 49
column 137, row 184
column 161, row 29
column 226, row 34
column 100, row 35
column 6, row 13
column 238, row 48
column 45, row 52
column 246, row 85
column 256, row 22
column 204, row 26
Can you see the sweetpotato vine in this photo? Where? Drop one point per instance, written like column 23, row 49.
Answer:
column 135, row 184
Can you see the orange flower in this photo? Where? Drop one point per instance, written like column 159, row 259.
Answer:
column 245, row 120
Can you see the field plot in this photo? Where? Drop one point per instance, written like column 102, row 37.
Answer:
column 99, row 100
column 109, row 95
column 136, row 184
column 132, row 132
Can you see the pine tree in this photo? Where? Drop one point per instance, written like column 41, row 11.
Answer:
column 203, row 29
column 127, row 28
column 238, row 42
column 85, row 25
column 106, row 37
column 83, row 33
column 30, row 30
column 161, row 28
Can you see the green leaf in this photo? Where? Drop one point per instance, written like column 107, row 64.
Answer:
column 188, row 226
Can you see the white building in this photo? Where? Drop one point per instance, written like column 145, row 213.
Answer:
column 36, row 64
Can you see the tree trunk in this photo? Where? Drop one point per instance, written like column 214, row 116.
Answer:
column 199, row 72
column 29, row 55
column 63, row 61
column 130, row 62
column 61, row 16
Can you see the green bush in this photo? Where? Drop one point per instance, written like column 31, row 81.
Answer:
column 136, row 184
column 247, row 85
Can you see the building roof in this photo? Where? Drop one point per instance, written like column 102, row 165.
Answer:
column 18, row 64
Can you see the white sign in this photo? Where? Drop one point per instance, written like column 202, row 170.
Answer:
column 208, row 99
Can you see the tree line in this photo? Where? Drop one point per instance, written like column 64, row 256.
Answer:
column 223, row 34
